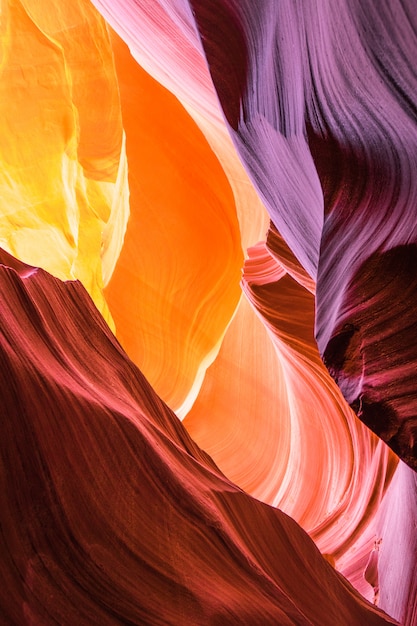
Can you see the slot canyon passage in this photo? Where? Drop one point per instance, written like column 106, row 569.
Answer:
column 208, row 312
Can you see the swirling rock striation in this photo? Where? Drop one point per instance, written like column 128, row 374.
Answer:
column 110, row 513
column 323, row 114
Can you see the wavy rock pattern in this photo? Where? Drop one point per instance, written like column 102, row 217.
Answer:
column 396, row 547
column 338, row 501
column 122, row 518
column 320, row 129
column 164, row 40
column 176, row 284
column 257, row 436
column 319, row 101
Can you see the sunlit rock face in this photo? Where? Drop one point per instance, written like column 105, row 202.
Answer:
column 180, row 265
column 321, row 485
column 63, row 176
column 233, row 184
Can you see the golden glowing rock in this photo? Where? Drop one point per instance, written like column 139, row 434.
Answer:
column 176, row 284
column 63, row 172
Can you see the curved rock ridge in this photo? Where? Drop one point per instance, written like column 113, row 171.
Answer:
column 343, row 447
column 394, row 571
column 110, row 513
column 320, row 99
column 176, row 282
column 163, row 39
column 260, row 50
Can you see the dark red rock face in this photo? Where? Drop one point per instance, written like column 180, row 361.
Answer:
column 110, row 513
column 372, row 356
